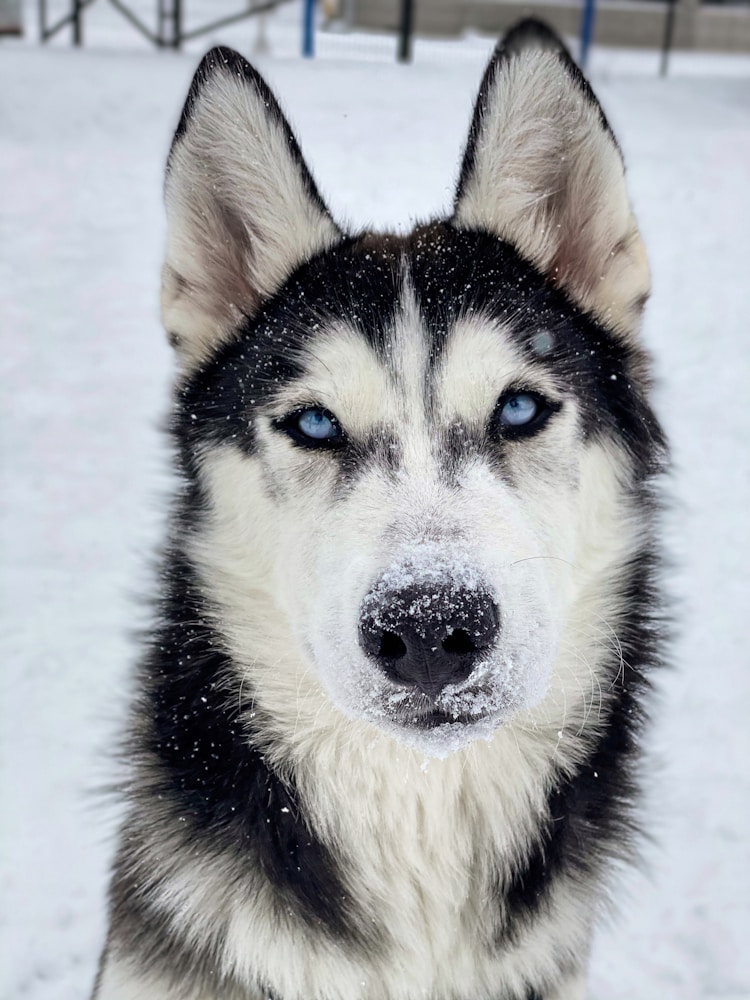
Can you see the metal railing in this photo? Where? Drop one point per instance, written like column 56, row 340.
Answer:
column 170, row 32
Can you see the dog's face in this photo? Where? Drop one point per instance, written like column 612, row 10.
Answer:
column 394, row 441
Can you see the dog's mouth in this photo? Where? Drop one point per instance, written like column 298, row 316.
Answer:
column 438, row 726
column 413, row 709
column 437, row 718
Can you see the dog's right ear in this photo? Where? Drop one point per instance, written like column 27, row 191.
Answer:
column 242, row 209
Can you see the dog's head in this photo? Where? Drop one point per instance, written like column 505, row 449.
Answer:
column 410, row 456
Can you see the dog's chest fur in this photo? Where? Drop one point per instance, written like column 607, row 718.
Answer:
column 428, row 852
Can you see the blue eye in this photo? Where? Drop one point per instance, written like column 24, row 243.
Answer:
column 520, row 414
column 312, row 427
column 317, row 424
column 519, row 410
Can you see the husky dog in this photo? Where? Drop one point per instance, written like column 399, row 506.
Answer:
column 387, row 729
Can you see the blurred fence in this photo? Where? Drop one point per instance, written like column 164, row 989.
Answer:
column 168, row 28
column 621, row 23
column 369, row 30
column 10, row 17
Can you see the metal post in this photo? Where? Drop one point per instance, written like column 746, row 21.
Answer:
column 405, row 31
column 261, row 46
column 77, row 22
column 668, row 38
column 177, row 25
column 308, row 29
column 587, row 30
column 160, row 21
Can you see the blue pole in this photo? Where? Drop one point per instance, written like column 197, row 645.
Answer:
column 587, row 30
column 308, row 29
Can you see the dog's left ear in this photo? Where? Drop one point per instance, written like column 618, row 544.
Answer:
column 243, row 211
column 543, row 171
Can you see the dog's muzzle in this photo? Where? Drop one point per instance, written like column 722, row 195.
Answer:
column 428, row 636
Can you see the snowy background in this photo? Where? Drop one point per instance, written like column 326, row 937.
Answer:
column 85, row 376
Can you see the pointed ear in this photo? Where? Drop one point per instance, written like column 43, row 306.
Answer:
column 242, row 209
column 543, row 171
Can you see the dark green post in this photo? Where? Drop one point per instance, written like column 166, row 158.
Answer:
column 405, row 32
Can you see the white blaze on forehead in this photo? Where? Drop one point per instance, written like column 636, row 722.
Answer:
column 479, row 362
column 409, row 356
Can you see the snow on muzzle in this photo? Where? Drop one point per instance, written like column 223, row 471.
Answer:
column 427, row 634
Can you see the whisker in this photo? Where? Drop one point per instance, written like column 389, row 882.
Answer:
column 553, row 558
column 613, row 641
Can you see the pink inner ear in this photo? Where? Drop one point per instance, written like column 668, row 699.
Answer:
column 575, row 265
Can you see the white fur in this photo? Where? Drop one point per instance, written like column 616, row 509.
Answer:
column 573, row 989
column 121, row 980
column 549, row 178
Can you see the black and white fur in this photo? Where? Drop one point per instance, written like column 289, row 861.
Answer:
column 301, row 825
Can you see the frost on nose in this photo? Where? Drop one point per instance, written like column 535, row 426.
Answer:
column 430, row 634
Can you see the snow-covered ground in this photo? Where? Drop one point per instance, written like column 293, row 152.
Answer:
column 85, row 374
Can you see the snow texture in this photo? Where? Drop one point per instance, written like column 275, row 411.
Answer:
column 85, row 375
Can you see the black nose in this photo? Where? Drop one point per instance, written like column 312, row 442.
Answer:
column 428, row 636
